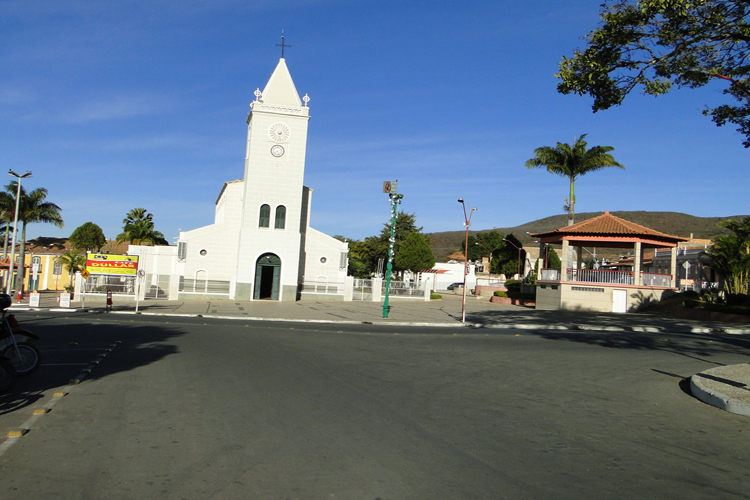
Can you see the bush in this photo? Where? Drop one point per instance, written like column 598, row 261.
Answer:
column 498, row 293
column 434, row 296
column 690, row 294
column 513, row 285
column 710, row 306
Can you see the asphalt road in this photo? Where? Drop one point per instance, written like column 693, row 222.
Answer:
column 191, row 408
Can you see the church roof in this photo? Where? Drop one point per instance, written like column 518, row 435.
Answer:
column 608, row 225
column 280, row 88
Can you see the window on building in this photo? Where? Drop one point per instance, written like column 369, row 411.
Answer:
column 265, row 216
column 280, row 217
column 181, row 251
column 57, row 269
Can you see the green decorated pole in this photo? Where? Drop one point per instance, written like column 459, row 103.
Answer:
column 395, row 200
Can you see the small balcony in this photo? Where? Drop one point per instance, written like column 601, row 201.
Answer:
column 607, row 277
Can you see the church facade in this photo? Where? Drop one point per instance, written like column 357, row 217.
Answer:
column 260, row 245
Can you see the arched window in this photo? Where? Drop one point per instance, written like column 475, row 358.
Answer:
column 265, row 216
column 280, row 217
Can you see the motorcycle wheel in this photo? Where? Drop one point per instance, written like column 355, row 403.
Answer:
column 28, row 361
column 8, row 374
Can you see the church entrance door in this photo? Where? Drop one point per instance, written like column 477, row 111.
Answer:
column 267, row 274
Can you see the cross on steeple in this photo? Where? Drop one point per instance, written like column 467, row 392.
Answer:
column 282, row 44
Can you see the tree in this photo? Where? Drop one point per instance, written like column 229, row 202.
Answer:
column 405, row 225
column 139, row 229
column 32, row 207
column 653, row 44
column 88, row 237
column 506, row 259
column 730, row 256
column 415, row 254
column 572, row 162
column 73, row 261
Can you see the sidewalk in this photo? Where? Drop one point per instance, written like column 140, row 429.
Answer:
column 480, row 313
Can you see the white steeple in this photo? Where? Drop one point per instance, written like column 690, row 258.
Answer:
column 280, row 88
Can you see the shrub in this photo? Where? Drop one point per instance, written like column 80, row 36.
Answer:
column 498, row 293
column 522, row 296
column 690, row 294
column 434, row 296
column 513, row 285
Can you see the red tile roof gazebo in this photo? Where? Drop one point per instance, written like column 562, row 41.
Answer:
column 618, row 291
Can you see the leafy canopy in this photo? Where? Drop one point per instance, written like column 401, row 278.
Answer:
column 87, row 237
column 730, row 256
column 654, row 44
column 415, row 254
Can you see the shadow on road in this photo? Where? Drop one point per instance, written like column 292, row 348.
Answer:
column 71, row 344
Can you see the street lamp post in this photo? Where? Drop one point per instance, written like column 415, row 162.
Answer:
column 15, row 227
column 467, row 223
column 518, row 269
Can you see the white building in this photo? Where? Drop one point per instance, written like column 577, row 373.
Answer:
column 261, row 245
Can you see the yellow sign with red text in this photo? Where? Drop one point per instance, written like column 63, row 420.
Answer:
column 114, row 265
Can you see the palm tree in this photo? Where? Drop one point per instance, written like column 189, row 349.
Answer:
column 139, row 228
column 72, row 261
column 572, row 162
column 33, row 207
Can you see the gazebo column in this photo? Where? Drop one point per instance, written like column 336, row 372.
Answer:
column 565, row 258
column 579, row 256
column 673, row 266
column 637, row 264
column 541, row 263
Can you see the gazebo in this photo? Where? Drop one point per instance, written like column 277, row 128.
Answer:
column 572, row 287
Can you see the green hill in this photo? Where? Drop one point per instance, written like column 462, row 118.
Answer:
column 674, row 223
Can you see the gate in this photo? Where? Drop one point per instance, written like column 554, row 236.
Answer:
column 157, row 286
column 362, row 290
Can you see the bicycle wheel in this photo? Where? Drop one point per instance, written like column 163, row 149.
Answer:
column 25, row 360
column 8, row 374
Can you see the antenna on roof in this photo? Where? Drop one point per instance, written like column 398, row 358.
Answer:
column 282, row 44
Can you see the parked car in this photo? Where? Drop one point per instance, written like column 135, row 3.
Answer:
column 454, row 286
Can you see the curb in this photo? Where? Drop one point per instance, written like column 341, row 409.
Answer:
column 715, row 387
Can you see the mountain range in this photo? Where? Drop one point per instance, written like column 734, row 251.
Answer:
column 675, row 223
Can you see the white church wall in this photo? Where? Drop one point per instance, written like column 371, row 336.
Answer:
column 229, row 204
column 212, row 249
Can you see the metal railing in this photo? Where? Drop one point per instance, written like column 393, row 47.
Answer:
column 215, row 287
column 604, row 276
column 403, row 289
column 119, row 285
column 362, row 290
column 550, row 275
column 323, row 286
column 652, row 279
column 607, row 277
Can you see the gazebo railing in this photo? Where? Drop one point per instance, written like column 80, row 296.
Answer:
column 607, row 277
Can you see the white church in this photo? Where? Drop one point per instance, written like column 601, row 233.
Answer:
column 261, row 245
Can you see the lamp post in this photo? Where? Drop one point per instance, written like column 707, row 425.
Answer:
column 477, row 243
column 467, row 223
column 15, row 227
column 518, row 269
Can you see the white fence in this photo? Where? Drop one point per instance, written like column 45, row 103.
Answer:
column 608, row 277
column 323, row 287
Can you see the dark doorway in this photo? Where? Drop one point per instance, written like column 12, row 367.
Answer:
column 267, row 274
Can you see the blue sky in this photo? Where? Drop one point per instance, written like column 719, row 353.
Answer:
column 116, row 105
